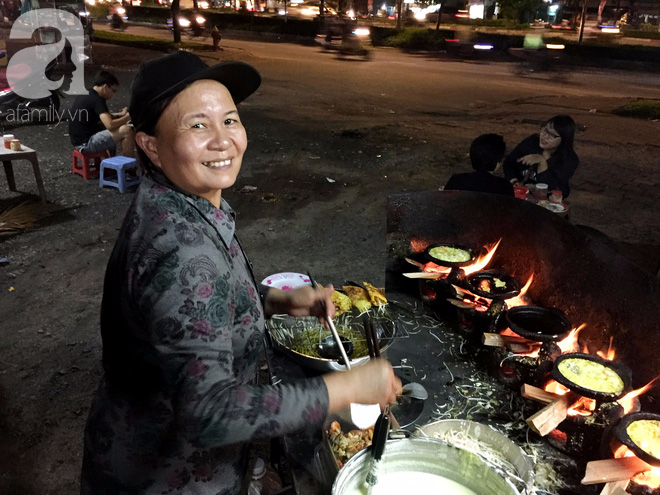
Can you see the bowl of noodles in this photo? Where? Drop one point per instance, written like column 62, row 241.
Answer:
column 299, row 338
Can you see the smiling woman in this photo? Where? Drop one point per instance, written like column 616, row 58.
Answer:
column 547, row 157
column 182, row 319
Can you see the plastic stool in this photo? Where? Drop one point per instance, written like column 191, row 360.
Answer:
column 121, row 164
column 89, row 163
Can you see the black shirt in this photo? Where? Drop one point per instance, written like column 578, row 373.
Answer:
column 480, row 181
column 561, row 166
column 85, row 117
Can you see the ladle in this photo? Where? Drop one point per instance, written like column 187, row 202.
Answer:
column 415, row 391
column 329, row 349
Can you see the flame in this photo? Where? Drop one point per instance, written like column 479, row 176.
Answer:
column 627, row 401
column 622, row 451
column 481, row 262
column 609, row 355
column 648, row 478
column 583, row 407
column 570, row 343
column 520, row 299
column 431, row 267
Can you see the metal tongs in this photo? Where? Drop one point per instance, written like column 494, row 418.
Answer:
column 371, row 335
column 381, row 432
column 331, row 324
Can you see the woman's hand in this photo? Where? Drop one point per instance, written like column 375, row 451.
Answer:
column 534, row 159
column 304, row 301
column 373, row 383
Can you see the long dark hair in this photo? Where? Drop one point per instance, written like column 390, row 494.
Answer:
column 564, row 125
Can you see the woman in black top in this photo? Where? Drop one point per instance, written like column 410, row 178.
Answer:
column 547, row 157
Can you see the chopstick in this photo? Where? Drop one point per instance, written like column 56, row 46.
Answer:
column 331, row 324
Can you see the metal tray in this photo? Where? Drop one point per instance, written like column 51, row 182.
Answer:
column 283, row 329
column 524, row 467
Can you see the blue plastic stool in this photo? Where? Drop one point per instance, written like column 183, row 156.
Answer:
column 120, row 164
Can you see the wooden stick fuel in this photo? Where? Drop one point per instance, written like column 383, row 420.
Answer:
column 548, row 418
column 609, row 470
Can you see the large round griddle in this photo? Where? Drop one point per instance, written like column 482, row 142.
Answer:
column 621, row 434
column 538, row 323
column 438, row 261
column 620, row 369
column 511, row 289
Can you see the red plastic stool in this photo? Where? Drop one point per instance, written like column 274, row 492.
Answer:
column 87, row 164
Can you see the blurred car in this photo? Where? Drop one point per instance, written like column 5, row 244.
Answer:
column 305, row 10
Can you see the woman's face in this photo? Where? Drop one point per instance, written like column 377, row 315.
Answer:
column 199, row 140
column 549, row 139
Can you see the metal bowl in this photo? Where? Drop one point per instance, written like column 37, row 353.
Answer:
column 284, row 328
column 471, row 430
column 413, row 456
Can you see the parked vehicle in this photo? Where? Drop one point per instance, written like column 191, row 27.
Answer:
column 15, row 110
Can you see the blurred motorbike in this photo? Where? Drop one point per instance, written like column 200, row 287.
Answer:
column 195, row 27
column 16, row 110
column 117, row 18
column 347, row 42
column 547, row 59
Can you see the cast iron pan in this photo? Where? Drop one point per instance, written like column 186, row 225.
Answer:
column 621, row 433
column 538, row 324
column 619, row 368
column 511, row 289
column 440, row 262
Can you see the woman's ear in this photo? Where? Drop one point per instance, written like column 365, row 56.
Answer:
column 149, row 145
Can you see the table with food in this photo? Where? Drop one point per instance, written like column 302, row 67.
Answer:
column 466, row 432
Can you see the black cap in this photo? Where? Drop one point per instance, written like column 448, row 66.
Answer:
column 166, row 76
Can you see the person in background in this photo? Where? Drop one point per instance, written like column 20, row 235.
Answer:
column 182, row 316
column 93, row 128
column 547, row 157
column 216, row 35
column 486, row 154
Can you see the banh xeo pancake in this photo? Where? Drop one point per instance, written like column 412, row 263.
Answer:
column 376, row 296
column 359, row 297
column 451, row 254
column 341, row 301
column 591, row 375
column 645, row 433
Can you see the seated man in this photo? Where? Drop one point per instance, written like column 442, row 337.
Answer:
column 486, row 155
column 92, row 128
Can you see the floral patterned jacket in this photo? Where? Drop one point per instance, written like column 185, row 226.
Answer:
column 182, row 328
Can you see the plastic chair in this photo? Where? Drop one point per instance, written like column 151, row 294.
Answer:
column 87, row 164
column 121, row 165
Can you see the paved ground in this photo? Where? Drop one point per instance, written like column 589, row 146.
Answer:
column 291, row 218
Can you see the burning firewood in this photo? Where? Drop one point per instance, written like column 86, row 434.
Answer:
column 548, row 418
column 514, row 344
column 609, row 470
column 538, row 394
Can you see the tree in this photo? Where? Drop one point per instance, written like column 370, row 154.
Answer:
column 176, row 29
column 519, row 10
column 601, row 6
